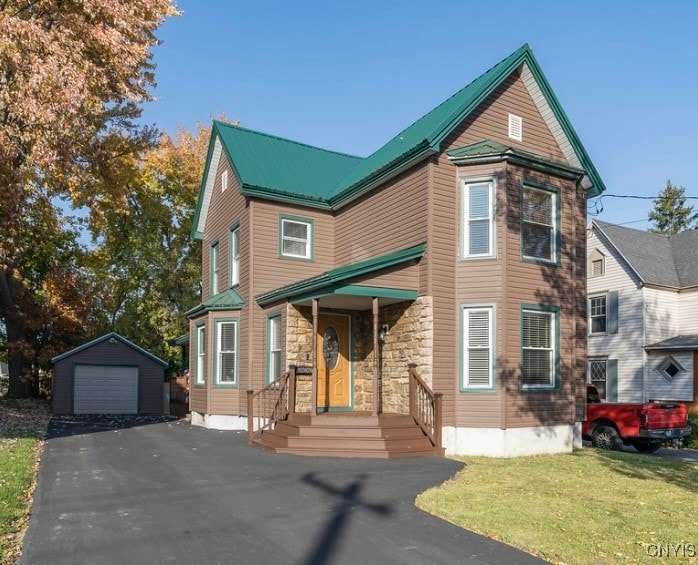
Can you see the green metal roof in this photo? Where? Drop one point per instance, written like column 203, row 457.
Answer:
column 226, row 300
column 335, row 277
column 280, row 169
column 179, row 340
column 267, row 163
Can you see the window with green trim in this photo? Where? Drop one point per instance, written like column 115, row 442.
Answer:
column 235, row 256
column 200, row 377
column 214, row 268
column 274, row 349
column 539, row 224
column 478, row 226
column 478, row 346
column 539, row 348
column 226, row 352
column 296, row 238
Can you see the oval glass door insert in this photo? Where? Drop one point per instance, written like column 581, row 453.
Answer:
column 330, row 348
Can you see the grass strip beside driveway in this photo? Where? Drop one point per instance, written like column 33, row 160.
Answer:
column 588, row 506
column 22, row 426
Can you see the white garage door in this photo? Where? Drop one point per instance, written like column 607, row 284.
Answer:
column 105, row 389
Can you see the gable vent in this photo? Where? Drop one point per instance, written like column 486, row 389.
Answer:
column 515, row 127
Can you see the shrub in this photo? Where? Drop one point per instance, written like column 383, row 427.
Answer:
column 692, row 440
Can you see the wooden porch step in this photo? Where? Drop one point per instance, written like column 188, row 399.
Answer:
column 349, row 435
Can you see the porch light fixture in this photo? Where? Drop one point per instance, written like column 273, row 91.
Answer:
column 383, row 332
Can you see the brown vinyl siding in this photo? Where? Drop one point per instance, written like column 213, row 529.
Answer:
column 541, row 284
column 388, row 219
column 403, row 277
column 226, row 208
column 198, row 394
column 270, row 269
column 150, row 378
column 481, row 281
column 441, row 280
column 454, row 282
column 491, row 120
column 225, row 400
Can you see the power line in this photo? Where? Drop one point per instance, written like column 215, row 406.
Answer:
column 595, row 208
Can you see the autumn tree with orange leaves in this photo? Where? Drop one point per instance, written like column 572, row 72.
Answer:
column 73, row 74
column 144, row 261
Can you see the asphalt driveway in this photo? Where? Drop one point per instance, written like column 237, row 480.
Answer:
column 136, row 492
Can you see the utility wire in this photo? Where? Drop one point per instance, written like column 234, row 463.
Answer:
column 595, row 208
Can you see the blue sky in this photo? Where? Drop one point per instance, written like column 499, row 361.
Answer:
column 349, row 76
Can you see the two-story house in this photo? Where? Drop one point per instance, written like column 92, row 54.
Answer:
column 643, row 314
column 456, row 249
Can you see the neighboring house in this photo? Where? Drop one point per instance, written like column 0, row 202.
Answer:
column 458, row 247
column 643, row 313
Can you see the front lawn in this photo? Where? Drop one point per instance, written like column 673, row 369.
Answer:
column 588, row 506
column 22, row 425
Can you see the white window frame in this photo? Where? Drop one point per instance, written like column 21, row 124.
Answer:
column 308, row 241
column 215, row 268
column 592, row 316
column 274, row 348
column 467, row 220
column 604, row 361
column 235, row 256
column 219, row 352
column 200, row 378
column 554, row 227
column 552, row 348
column 224, row 181
column 467, row 347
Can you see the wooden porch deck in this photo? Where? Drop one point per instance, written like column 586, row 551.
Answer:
column 349, row 434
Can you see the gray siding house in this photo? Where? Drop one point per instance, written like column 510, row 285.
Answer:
column 642, row 313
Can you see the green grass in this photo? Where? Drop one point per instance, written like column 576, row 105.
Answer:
column 588, row 506
column 22, row 424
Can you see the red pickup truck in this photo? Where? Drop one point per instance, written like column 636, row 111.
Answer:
column 644, row 426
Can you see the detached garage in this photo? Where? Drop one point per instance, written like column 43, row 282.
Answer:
column 109, row 375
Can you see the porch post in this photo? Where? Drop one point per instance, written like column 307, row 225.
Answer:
column 313, row 395
column 291, row 389
column 375, row 356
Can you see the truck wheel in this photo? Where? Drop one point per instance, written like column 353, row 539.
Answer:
column 647, row 446
column 606, row 437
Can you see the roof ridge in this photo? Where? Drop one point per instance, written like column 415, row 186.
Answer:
column 525, row 47
column 287, row 140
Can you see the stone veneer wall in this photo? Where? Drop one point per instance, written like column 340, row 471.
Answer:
column 409, row 340
column 299, row 351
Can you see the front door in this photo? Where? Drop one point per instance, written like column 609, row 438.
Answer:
column 334, row 377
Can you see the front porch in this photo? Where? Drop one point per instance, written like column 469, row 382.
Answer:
column 353, row 339
column 275, row 423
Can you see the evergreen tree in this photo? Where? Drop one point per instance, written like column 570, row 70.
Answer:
column 671, row 213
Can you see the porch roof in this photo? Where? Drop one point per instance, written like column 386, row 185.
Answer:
column 685, row 342
column 335, row 285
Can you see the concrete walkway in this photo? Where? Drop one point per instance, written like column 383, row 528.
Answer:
column 140, row 491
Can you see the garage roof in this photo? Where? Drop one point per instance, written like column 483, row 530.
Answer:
column 108, row 337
